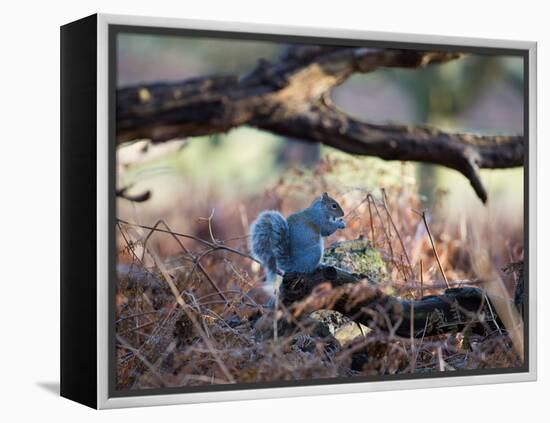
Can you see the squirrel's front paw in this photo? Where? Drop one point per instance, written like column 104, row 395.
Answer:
column 341, row 224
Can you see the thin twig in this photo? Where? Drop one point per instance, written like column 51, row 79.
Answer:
column 138, row 327
column 209, row 220
column 191, row 317
column 371, row 221
column 491, row 312
column 142, row 358
column 423, row 214
column 384, row 204
column 218, row 246
column 186, row 251
column 422, row 338
column 421, row 279
column 386, row 234
column 122, row 318
column 411, row 331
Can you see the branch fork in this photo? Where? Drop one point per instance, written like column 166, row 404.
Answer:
column 291, row 97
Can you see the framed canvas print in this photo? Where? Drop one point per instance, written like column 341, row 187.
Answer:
column 254, row 211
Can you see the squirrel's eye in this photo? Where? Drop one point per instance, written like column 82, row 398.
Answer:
column 333, row 205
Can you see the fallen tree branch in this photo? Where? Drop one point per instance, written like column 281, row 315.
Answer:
column 465, row 153
column 291, row 98
column 335, row 289
column 136, row 198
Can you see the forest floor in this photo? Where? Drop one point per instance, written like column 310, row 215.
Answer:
column 191, row 309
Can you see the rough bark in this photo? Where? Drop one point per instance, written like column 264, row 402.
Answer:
column 291, row 98
column 335, row 289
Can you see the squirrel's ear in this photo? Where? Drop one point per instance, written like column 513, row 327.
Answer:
column 325, row 195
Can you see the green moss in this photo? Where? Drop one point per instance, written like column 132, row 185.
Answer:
column 357, row 256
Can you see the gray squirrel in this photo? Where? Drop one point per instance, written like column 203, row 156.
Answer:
column 294, row 244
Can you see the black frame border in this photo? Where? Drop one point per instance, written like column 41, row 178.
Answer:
column 78, row 211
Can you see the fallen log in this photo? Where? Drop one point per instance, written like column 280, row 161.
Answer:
column 456, row 309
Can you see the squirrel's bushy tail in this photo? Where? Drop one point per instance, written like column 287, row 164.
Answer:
column 270, row 241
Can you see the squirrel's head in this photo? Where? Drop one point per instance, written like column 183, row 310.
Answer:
column 331, row 206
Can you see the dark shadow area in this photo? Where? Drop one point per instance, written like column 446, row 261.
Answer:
column 51, row 387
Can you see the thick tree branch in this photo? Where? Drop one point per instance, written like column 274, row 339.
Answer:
column 465, row 153
column 291, row 98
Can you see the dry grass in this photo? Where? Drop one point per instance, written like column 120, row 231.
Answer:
column 187, row 306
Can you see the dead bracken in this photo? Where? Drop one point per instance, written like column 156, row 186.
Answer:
column 193, row 312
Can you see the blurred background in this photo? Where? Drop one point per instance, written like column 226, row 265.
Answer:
column 231, row 177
